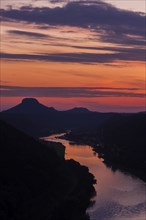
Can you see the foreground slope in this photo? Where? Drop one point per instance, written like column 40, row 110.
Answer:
column 37, row 184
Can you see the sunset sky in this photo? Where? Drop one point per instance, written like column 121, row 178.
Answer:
column 74, row 53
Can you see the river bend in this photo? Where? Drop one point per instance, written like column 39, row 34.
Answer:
column 119, row 196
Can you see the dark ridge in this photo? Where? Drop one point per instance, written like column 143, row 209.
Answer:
column 30, row 101
column 124, row 143
column 34, row 104
column 30, row 106
column 39, row 120
column 78, row 110
column 35, row 183
column 143, row 113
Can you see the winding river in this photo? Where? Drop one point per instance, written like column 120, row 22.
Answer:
column 119, row 196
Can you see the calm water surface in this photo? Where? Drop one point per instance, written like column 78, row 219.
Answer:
column 119, row 196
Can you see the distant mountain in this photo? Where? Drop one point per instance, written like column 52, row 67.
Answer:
column 78, row 110
column 144, row 112
column 39, row 120
column 32, row 117
column 30, row 106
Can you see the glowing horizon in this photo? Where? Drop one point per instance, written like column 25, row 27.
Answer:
column 96, row 50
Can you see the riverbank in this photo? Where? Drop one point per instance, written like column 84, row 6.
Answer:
column 125, row 163
column 119, row 195
column 36, row 183
column 129, row 159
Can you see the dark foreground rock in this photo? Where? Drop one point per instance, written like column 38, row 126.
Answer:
column 35, row 183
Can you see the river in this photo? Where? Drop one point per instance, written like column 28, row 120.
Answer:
column 119, row 196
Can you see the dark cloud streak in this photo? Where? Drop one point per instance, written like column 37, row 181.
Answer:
column 113, row 25
column 78, row 57
column 28, row 34
column 69, row 92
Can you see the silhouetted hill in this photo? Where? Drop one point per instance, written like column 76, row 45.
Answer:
column 78, row 110
column 36, row 184
column 30, row 106
column 39, row 120
column 125, row 130
column 32, row 117
column 124, row 143
column 144, row 112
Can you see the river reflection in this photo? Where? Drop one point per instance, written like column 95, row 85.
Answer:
column 119, row 196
